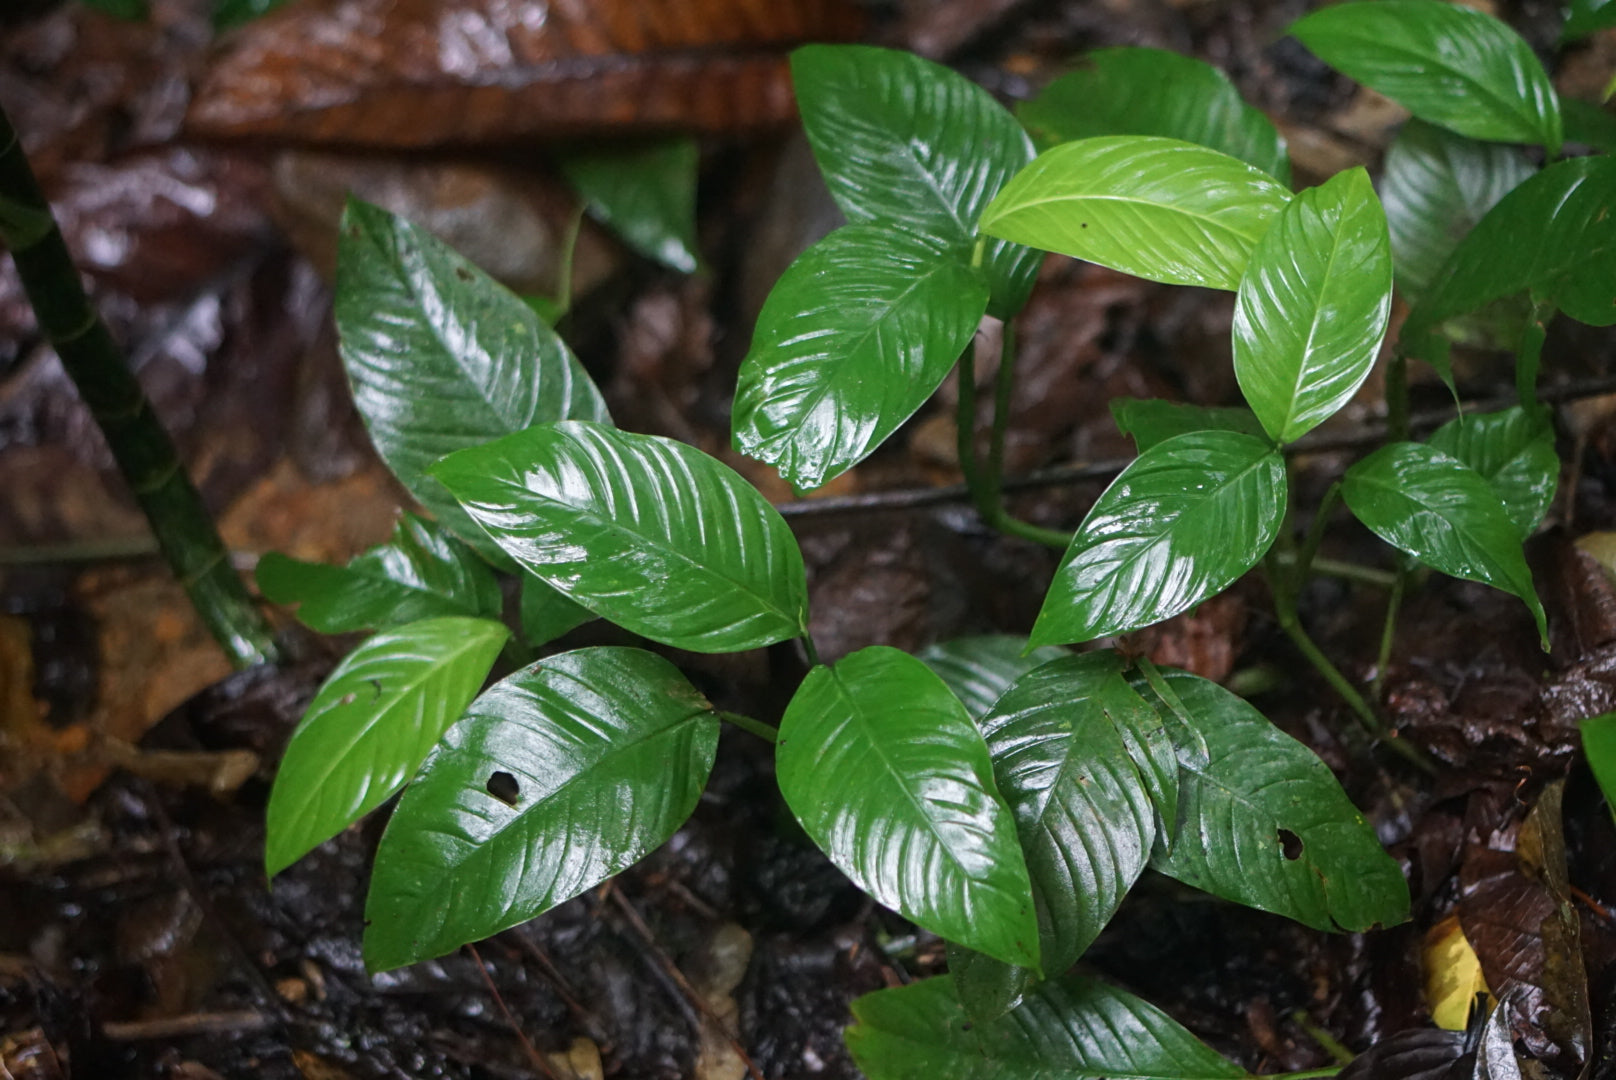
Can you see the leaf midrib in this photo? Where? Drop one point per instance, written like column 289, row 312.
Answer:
column 1172, row 208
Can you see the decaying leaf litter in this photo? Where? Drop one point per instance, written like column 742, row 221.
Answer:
column 142, row 940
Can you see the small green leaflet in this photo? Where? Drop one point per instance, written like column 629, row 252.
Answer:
column 370, row 725
column 1445, row 514
column 1262, row 821
column 1180, row 524
column 1149, row 421
column 1139, row 91
column 558, row 777
column 1588, row 17
column 1313, row 306
column 546, row 614
column 645, row 193
column 979, row 669
column 1599, row 744
column 1513, row 450
column 652, row 534
column 1074, row 1028
column 1156, row 208
column 1448, row 64
column 422, row 572
column 882, row 766
column 853, row 338
column 909, row 143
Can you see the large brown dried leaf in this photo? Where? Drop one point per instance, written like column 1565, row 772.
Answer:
column 414, row 73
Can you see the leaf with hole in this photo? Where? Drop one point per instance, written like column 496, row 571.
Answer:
column 1140, row 91
column 1313, row 305
column 652, row 534
column 1180, row 524
column 442, row 357
column 644, row 192
column 1149, row 421
column 1262, row 821
column 882, row 766
column 558, row 777
column 979, row 669
column 853, row 338
column 1513, row 450
column 907, row 142
column 1448, row 64
column 369, row 726
column 1445, row 514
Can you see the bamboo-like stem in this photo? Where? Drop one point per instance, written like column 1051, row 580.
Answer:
column 767, row 732
column 145, row 454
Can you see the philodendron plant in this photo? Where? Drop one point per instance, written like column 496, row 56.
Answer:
column 1002, row 793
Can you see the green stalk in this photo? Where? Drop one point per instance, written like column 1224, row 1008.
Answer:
column 142, row 449
column 1388, row 631
column 767, row 732
column 1528, row 356
column 1305, row 1074
column 1397, row 397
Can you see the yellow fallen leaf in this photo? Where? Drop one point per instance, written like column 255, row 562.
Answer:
column 1453, row 975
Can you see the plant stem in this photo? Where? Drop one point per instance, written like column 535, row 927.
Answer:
column 1305, row 1074
column 808, row 647
column 1397, row 397
column 1307, row 556
column 1388, row 631
column 142, row 449
column 1329, row 1043
column 1529, row 355
column 767, row 732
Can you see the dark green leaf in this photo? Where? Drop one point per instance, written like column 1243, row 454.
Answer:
column 441, row 356
column 603, row 752
column 546, row 614
column 370, row 725
column 1437, row 186
column 548, row 310
column 1137, row 91
column 421, row 573
column 229, row 13
column 1072, row 1029
column 1180, row 524
column 650, row 533
column 1446, row 63
column 1599, row 744
column 1445, row 514
column 853, row 338
column 881, row 764
column 1513, row 450
column 1591, row 125
column 979, row 669
column 1313, row 306
column 986, row 987
column 1588, row 17
column 123, row 9
column 905, row 141
column 1156, row 208
column 1151, row 420
column 1262, row 821
column 645, row 193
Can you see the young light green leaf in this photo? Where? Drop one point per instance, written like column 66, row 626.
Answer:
column 1599, row 744
column 1445, row 514
column 853, row 338
column 546, row 614
column 443, row 357
column 644, row 192
column 881, row 764
column 1313, row 306
column 1152, row 207
column 558, row 777
column 904, row 141
column 1180, row 524
column 421, row 573
column 1262, row 821
column 1139, row 91
column 1075, row 1028
column 1446, row 63
column 979, row 669
column 650, row 533
column 1149, row 421
column 1588, row 17
column 1436, row 187
column 370, row 725
column 1513, row 450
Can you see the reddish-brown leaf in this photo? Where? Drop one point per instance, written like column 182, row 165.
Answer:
column 415, row 73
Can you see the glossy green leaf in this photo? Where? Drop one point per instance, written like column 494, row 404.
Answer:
column 1180, row 524
column 1599, row 744
column 881, row 764
column 1445, row 514
column 546, row 614
column 1591, row 125
column 441, row 356
column 229, row 13
column 558, row 777
column 1513, row 450
column 1262, row 821
column 421, row 573
column 1149, row 421
column 1446, row 63
column 1139, row 91
column 1586, row 17
column 1075, row 1028
column 853, row 338
column 650, row 533
column 979, row 669
column 1313, row 306
column 645, row 193
column 370, row 725
column 1436, row 187
column 987, row 988
column 904, row 141
column 1152, row 207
